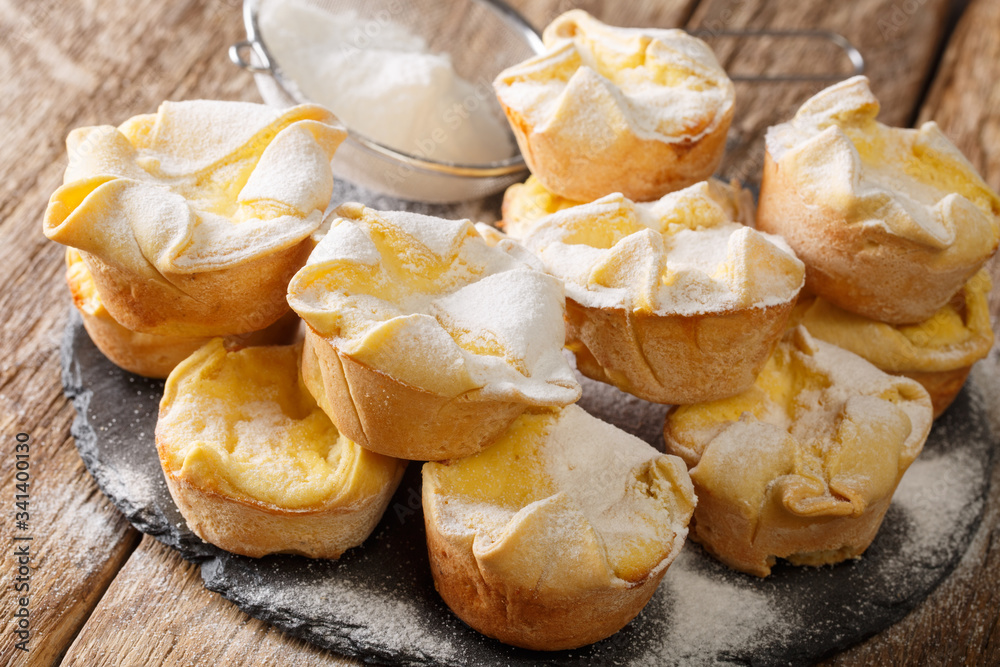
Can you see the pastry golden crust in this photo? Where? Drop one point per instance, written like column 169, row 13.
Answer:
column 394, row 418
column 942, row 386
column 193, row 220
column 602, row 97
column 145, row 354
column 938, row 353
column 890, row 222
column 674, row 359
column 672, row 301
column 558, row 534
column 802, row 465
column 524, row 204
column 428, row 340
column 256, row 467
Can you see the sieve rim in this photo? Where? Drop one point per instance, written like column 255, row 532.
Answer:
column 268, row 65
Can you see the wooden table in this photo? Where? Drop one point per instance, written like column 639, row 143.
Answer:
column 103, row 594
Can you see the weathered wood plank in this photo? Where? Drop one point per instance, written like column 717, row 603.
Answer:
column 157, row 612
column 899, row 50
column 960, row 622
column 64, row 65
column 79, row 540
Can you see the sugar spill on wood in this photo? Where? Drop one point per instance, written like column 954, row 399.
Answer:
column 157, row 611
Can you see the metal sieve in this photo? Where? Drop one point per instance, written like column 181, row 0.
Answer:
column 483, row 37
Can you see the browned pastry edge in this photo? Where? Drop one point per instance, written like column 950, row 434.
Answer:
column 825, row 541
column 526, row 618
column 155, row 356
column 674, row 359
column 654, row 168
column 255, row 529
column 393, row 418
column 237, row 300
column 943, row 386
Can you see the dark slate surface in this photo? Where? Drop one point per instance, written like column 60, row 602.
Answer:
column 378, row 602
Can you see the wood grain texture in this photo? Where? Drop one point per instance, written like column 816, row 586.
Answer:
column 157, row 612
column 899, row 48
column 65, row 65
column 79, row 540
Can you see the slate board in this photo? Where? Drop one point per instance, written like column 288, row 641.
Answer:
column 378, row 601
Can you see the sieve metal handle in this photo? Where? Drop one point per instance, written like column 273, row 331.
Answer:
column 237, row 51
column 251, row 45
column 857, row 60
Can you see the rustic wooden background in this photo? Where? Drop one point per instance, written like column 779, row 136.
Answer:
column 102, row 594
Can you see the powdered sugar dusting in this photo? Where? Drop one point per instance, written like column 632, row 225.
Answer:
column 387, row 616
column 729, row 615
column 924, row 495
column 174, row 204
column 192, row 135
column 500, row 319
column 837, row 156
column 701, row 263
column 441, row 236
column 581, row 78
column 382, row 81
column 582, row 461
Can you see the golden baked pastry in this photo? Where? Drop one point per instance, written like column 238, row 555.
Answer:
column 938, row 352
column 638, row 111
column 145, row 354
column 192, row 220
column 802, row 465
column 558, row 534
column 490, row 234
column 671, row 301
column 428, row 341
column 524, row 204
column 256, row 467
column 890, row 222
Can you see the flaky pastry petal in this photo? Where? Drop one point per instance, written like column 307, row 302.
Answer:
column 192, row 220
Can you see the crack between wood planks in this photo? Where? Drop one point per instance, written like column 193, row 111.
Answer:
column 956, row 10
column 684, row 20
column 132, row 538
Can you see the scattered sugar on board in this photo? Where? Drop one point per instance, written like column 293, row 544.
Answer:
column 708, row 615
column 387, row 616
column 924, row 497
